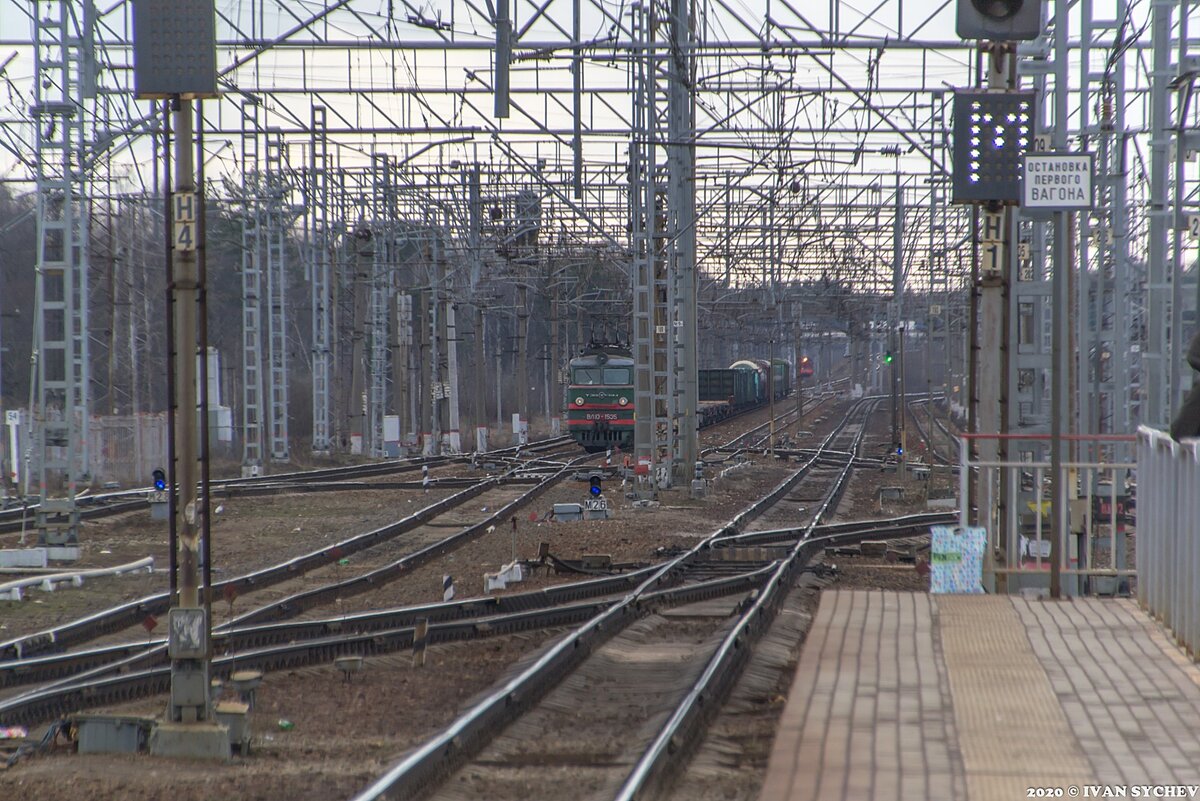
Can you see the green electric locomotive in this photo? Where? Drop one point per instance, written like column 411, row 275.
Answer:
column 600, row 398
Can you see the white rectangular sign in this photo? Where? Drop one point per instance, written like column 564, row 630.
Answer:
column 1057, row 181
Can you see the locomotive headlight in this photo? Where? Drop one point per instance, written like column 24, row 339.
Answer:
column 623, row 401
column 579, row 401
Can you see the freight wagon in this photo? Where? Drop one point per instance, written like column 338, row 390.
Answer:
column 600, row 397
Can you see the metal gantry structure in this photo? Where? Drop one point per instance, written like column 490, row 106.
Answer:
column 713, row 181
column 63, row 91
column 320, row 251
column 252, row 232
column 1174, row 119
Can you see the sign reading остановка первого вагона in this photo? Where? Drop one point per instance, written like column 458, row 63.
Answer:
column 1057, row 181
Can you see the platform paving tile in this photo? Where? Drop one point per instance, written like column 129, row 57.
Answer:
column 875, row 721
column 1012, row 732
column 1120, row 680
column 904, row 695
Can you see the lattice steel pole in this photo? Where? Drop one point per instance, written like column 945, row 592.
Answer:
column 320, row 243
column 60, row 369
column 252, row 379
column 275, row 187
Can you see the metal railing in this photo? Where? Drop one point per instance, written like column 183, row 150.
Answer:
column 1168, row 547
column 1013, row 501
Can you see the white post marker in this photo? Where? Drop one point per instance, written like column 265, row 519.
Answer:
column 12, row 421
column 447, row 588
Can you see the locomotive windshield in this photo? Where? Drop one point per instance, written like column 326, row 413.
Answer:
column 617, row 375
column 596, row 376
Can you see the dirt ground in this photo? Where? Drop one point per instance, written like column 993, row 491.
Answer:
column 391, row 704
column 248, row 533
column 252, row 532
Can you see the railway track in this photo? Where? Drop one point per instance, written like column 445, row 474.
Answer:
column 128, row 614
column 132, row 613
column 28, row 660
column 937, row 452
column 679, row 612
column 329, row 479
column 705, row 643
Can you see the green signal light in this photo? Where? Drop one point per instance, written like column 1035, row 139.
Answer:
column 887, row 357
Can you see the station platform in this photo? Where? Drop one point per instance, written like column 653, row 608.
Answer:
column 988, row 698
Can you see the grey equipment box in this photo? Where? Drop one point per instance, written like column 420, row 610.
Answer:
column 112, row 734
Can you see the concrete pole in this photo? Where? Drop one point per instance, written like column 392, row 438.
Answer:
column 988, row 388
column 771, row 398
column 681, row 163
column 187, row 673
column 480, row 373
column 556, row 359
column 355, row 413
column 1058, row 396
column 577, row 99
column 503, row 58
column 452, row 368
column 895, row 316
column 185, row 282
column 437, row 338
column 546, row 380
column 402, row 325
column 796, row 366
column 499, row 392
column 522, row 352
column 1059, row 343
column 421, row 387
column 903, row 410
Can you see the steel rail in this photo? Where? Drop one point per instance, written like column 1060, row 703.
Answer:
column 231, row 636
column 914, row 521
column 87, row 628
column 118, row 617
column 950, row 435
column 48, row 702
column 827, row 457
column 442, row 753
column 226, row 637
column 702, row 701
column 294, row 604
column 116, row 502
column 927, row 435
